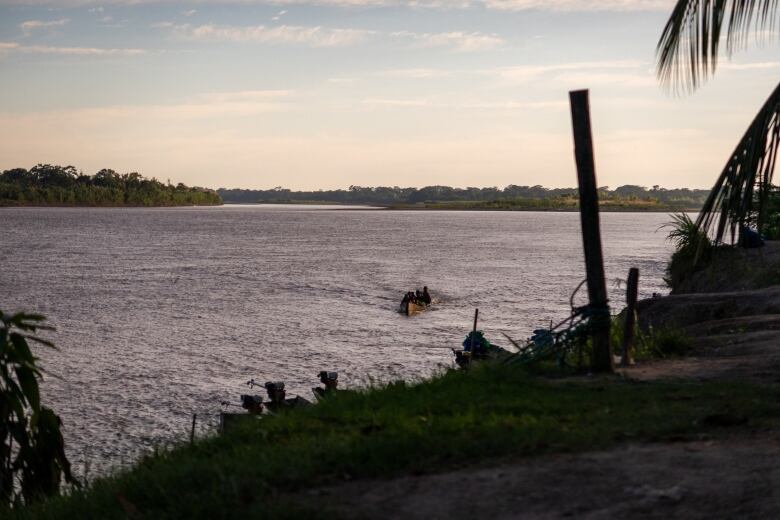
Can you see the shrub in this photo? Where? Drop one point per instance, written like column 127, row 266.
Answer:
column 32, row 451
column 693, row 250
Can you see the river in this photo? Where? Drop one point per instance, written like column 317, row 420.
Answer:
column 165, row 312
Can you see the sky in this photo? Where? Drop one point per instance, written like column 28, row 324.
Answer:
column 326, row 94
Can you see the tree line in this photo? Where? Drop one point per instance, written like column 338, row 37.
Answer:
column 53, row 185
column 682, row 198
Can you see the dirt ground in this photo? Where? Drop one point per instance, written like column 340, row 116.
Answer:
column 724, row 479
column 737, row 336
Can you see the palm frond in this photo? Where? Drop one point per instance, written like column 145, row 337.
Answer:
column 688, row 48
column 740, row 194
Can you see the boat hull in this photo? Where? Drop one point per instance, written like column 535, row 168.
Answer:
column 414, row 308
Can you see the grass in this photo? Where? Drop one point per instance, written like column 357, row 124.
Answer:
column 653, row 342
column 454, row 419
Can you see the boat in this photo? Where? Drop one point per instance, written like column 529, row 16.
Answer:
column 410, row 307
column 413, row 303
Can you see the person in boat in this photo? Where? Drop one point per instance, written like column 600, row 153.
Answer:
column 418, row 297
column 405, row 301
column 426, row 297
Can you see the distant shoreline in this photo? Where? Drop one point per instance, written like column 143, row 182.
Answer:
column 604, row 208
column 4, row 204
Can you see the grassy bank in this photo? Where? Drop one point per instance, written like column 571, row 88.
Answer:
column 451, row 420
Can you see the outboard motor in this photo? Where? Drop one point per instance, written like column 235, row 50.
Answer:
column 329, row 379
column 252, row 403
column 275, row 390
column 331, row 382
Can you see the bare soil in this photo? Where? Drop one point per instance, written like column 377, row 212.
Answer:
column 737, row 336
column 706, row 479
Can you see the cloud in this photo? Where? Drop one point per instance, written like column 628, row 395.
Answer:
column 318, row 36
column 401, row 103
column 591, row 79
column 342, row 81
column 285, row 34
column 580, row 5
column 501, row 5
column 68, row 51
column 31, row 25
column 750, row 66
column 457, row 40
column 465, row 105
column 201, row 106
column 419, row 73
column 81, row 51
column 189, row 12
column 525, row 73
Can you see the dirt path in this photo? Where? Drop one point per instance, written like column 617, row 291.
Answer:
column 737, row 336
column 721, row 479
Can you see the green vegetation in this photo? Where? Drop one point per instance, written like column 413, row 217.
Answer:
column 32, row 452
column 693, row 250
column 510, row 198
column 50, row 185
column 771, row 229
column 653, row 342
column 457, row 418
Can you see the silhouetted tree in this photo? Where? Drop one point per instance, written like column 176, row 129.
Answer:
column 687, row 56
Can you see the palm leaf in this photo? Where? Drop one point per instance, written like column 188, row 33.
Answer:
column 688, row 48
column 740, row 194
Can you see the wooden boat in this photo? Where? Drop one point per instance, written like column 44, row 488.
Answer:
column 413, row 308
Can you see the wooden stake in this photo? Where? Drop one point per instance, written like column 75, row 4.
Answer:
column 192, row 431
column 630, row 324
column 473, row 334
column 591, row 232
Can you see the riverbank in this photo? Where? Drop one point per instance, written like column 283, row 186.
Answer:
column 486, row 416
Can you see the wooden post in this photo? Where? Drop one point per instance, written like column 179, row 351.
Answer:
column 630, row 324
column 473, row 334
column 591, row 232
column 192, row 431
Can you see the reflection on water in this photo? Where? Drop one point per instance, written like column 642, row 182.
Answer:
column 162, row 313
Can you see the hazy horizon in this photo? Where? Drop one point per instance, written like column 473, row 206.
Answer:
column 325, row 94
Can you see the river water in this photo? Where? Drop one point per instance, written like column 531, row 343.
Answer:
column 162, row 313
